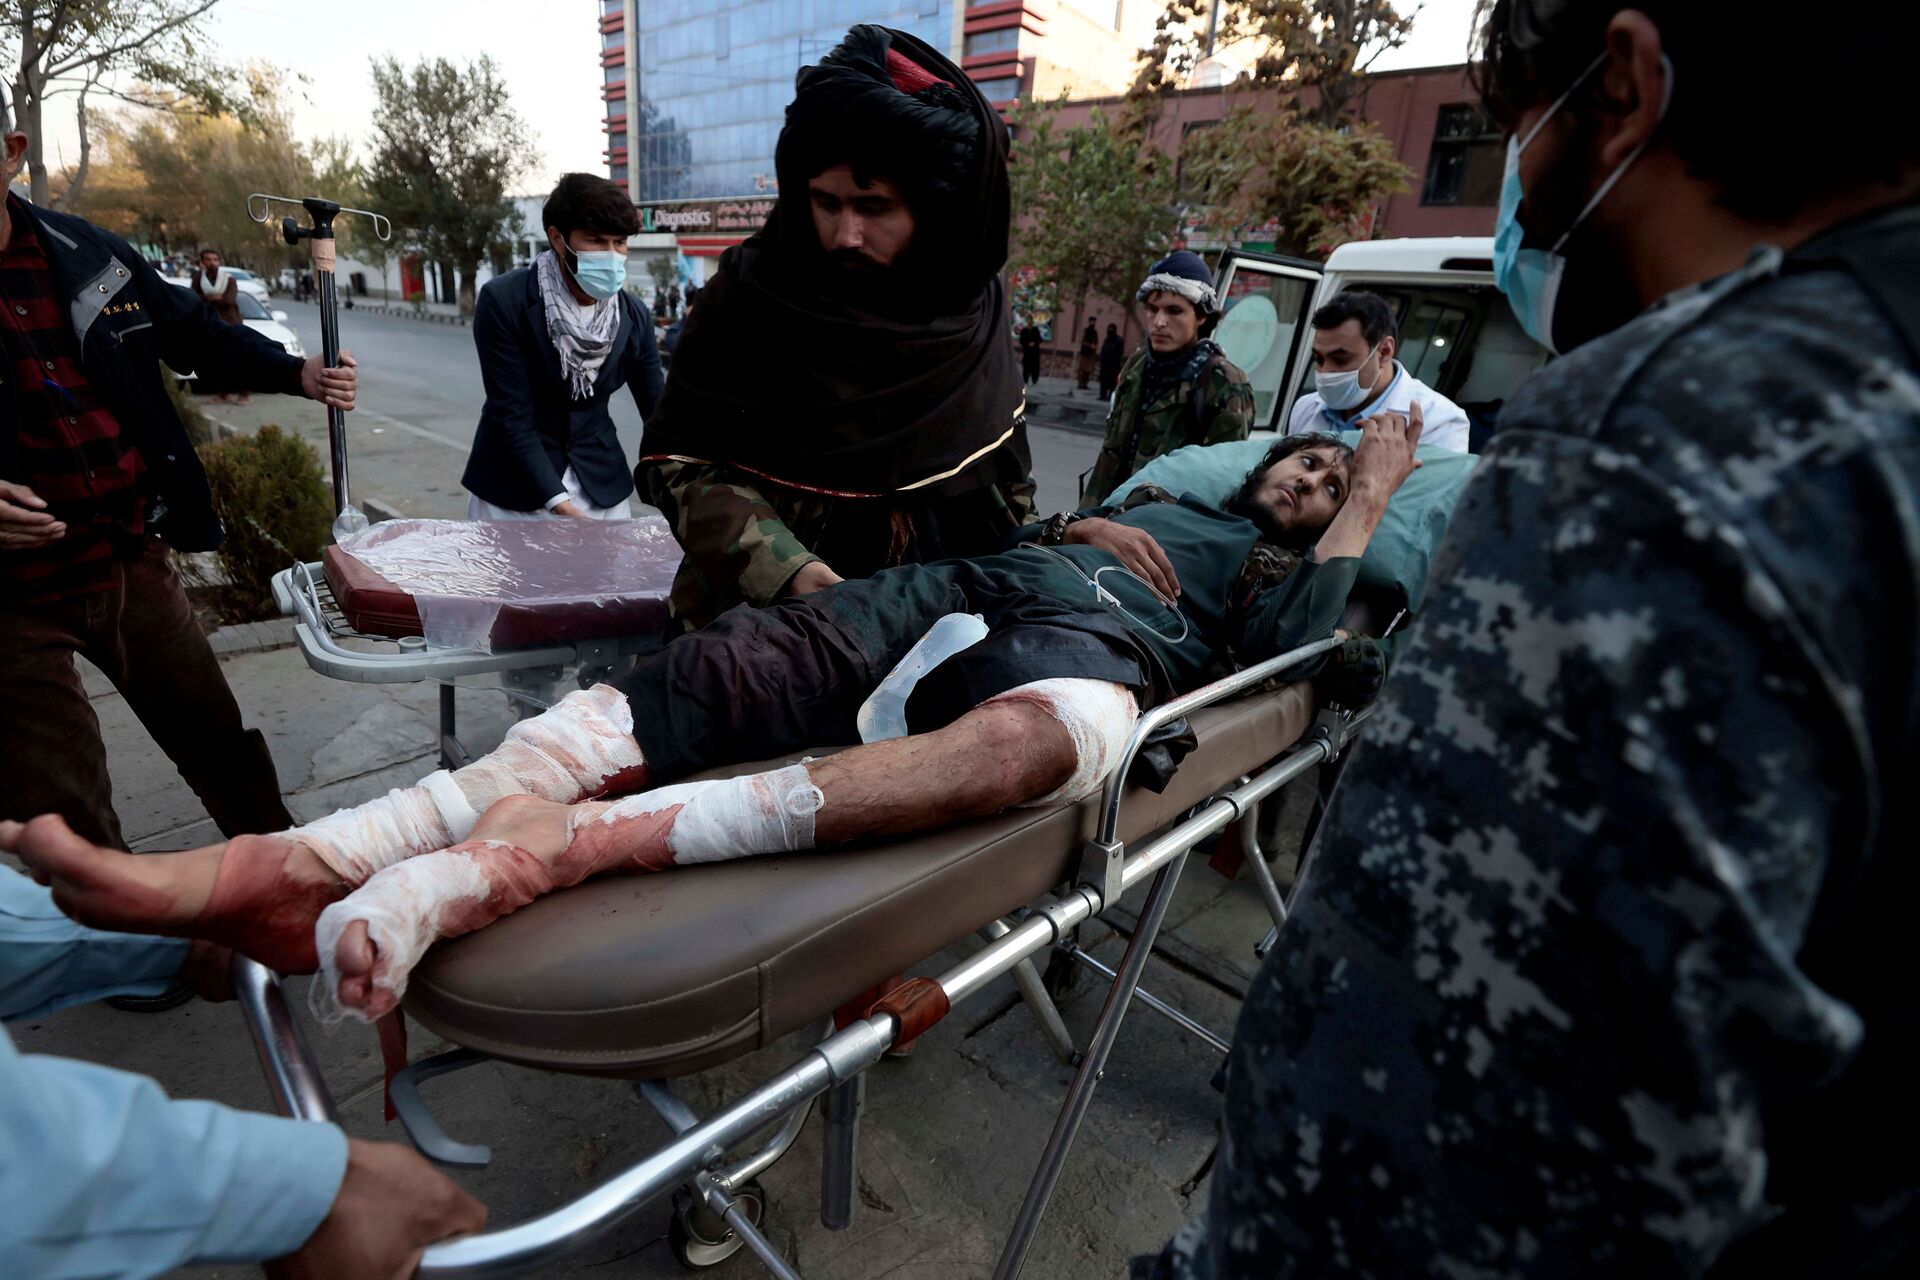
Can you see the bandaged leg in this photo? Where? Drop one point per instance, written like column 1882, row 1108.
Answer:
column 1048, row 742
column 369, row 942
column 1099, row 715
column 581, row 746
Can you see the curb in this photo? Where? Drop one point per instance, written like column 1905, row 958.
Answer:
column 408, row 313
column 251, row 637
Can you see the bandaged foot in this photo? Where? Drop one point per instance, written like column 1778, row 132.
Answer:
column 581, row 746
column 260, row 895
column 370, row 941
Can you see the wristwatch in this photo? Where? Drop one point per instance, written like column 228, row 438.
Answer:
column 1054, row 531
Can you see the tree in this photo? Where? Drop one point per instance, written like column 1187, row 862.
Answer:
column 178, row 177
column 447, row 148
column 76, row 46
column 1315, row 52
column 1314, row 183
column 1291, row 152
column 1095, row 203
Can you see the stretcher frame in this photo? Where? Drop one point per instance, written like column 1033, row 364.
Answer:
column 334, row 649
column 694, row 1162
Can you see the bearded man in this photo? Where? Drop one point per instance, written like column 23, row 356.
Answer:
column 846, row 398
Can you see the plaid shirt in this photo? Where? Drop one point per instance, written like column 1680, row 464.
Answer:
column 68, row 448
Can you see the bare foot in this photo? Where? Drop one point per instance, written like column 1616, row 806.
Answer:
column 257, row 894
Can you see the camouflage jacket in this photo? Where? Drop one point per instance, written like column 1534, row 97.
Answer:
column 1140, row 429
column 745, row 538
column 1594, row 969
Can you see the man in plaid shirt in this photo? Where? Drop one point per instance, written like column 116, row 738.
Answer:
column 97, row 478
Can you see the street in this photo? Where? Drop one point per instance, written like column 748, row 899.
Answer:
column 419, row 405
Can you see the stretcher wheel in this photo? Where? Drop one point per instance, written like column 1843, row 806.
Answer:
column 700, row 1238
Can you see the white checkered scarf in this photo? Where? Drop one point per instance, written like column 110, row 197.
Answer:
column 582, row 335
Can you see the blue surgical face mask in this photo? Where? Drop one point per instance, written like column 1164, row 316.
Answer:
column 1342, row 391
column 1531, row 278
column 600, row 275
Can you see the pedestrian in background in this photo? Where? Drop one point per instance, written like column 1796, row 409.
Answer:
column 556, row 341
column 1030, row 340
column 1113, row 354
column 219, row 291
column 1083, row 359
column 673, row 301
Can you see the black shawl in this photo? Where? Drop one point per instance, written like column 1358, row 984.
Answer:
column 790, row 371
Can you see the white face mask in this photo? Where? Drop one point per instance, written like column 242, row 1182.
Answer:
column 1342, row 391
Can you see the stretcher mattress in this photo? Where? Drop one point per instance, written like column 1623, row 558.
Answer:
column 676, row 971
column 508, row 584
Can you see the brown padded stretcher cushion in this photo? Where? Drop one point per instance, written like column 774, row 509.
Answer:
column 676, row 971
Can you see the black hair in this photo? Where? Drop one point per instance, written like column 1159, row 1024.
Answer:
column 1769, row 151
column 588, row 202
column 1113, row 328
column 1242, row 501
column 1370, row 309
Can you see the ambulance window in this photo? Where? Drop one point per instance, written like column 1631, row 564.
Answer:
column 1431, row 337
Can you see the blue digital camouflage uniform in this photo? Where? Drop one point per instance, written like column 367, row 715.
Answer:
column 1601, row 964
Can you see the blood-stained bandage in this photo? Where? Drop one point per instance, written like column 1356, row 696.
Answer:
column 410, row 905
column 1098, row 714
column 582, row 746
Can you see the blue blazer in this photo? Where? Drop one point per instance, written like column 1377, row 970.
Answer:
column 532, row 429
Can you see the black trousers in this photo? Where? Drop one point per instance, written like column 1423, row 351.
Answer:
column 770, row 681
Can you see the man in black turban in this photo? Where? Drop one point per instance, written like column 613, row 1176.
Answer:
column 846, row 396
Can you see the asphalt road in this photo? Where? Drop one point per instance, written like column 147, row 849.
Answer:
column 422, row 380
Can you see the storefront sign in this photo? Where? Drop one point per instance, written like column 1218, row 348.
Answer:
column 742, row 216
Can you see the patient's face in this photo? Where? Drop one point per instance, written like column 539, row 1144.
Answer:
column 1295, row 499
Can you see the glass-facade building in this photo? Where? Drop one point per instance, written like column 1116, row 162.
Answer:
column 697, row 89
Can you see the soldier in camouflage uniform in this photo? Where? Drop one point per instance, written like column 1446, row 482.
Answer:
column 1181, row 389
column 1598, row 966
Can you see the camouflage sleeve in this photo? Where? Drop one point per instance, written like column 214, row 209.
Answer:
column 1232, row 408
column 1540, row 982
column 734, row 539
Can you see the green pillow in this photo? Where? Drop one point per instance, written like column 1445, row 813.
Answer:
column 1401, row 549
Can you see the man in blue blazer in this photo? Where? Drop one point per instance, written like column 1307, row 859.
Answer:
column 556, row 340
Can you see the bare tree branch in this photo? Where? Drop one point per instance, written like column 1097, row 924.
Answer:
column 133, row 41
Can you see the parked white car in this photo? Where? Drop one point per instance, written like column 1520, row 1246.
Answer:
column 269, row 324
column 251, row 283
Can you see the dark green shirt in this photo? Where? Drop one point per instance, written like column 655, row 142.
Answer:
column 1240, row 597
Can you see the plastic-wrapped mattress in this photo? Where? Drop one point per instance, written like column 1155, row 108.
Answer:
column 507, row 584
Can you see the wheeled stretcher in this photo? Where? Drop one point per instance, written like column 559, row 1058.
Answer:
column 661, row 975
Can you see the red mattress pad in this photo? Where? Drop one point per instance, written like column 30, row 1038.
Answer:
column 508, row 583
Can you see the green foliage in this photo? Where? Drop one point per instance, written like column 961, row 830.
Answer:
column 1316, row 183
column 1095, row 202
column 180, row 178
column 276, row 508
column 446, row 150
column 67, row 46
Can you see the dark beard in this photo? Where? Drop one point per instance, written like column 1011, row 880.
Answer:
column 1244, row 505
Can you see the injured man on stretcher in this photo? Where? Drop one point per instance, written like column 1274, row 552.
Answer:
column 1089, row 618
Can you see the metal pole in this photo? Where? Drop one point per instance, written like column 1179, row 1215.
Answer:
column 839, row 1142
column 1080, row 1095
column 299, row 1092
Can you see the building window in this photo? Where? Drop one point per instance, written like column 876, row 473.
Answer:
column 617, row 173
column 1005, row 40
column 614, row 39
column 609, row 8
column 617, row 73
column 1001, row 90
column 722, row 44
column 1468, row 160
